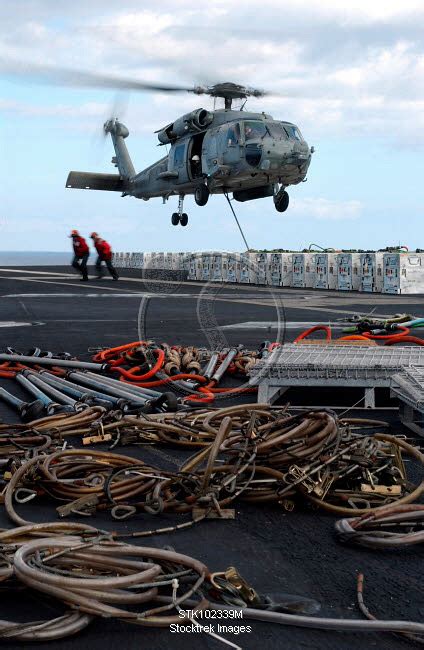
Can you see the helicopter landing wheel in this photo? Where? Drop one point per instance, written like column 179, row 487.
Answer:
column 201, row 194
column 184, row 219
column 175, row 219
column 281, row 201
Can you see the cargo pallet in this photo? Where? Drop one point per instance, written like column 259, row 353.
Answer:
column 333, row 366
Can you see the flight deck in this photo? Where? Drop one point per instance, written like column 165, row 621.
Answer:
column 276, row 551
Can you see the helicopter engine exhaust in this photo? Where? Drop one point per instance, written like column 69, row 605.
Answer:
column 188, row 123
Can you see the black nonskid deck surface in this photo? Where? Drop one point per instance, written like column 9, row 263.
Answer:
column 276, row 551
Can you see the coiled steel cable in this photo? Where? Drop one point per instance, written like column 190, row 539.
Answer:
column 392, row 527
column 108, row 576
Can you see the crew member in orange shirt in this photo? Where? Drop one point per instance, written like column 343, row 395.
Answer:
column 104, row 252
column 81, row 254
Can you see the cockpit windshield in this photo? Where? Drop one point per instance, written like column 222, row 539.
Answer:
column 254, row 130
column 293, row 132
column 277, row 130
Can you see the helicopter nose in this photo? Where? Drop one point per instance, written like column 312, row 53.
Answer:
column 278, row 155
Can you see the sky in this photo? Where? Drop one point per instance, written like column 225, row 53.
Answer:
column 351, row 77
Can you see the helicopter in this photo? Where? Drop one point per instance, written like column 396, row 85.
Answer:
column 223, row 151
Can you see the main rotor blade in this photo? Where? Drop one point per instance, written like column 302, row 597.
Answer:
column 69, row 77
column 56, row 75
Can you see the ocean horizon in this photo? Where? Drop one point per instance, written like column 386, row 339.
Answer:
column 35, row 258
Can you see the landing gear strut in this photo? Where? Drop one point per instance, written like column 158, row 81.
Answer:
column 281, row 200
column 180, row 216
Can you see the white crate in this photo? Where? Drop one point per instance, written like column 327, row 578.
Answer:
column 138, row 260
column 206, row 266
column 233, row 266
column 195, row 263
column 287, row 270
column 167, row 261
column 175, row 264
column 159, row 262
column 403, row 273
column 371, row 272
column 325, row 265
column 116, row 259
column 152, row 261
column 148, row 260
column 275, row 269
column 280, row 269
column 180, row 261
column 303, row 270
column 348, row 271
column 248, row 273
column 262, row 265
column 218, row 267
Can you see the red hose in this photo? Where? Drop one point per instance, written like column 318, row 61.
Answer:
column 9, row 371
column 130, row 374
column 404, row 339
column 199, row 400
column 315, row 328
column 121, row 356
column 353, row 337
column 273, row 346
column 104, row 355
column 167, row 380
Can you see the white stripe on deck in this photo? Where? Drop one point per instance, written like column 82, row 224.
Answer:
column 12, row 323
column 99, row 295
column 28, row 270
column 250, row 325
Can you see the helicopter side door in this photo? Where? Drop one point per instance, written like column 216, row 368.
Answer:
column 221, row 147
column 210, row 162
column 231, row 140
column 195, row 156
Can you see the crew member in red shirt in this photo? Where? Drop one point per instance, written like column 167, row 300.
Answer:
column 104, row 252
column 81, row 254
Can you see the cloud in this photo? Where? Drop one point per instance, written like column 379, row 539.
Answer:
column 326, row 209
column 335, row 69
column 89, row 109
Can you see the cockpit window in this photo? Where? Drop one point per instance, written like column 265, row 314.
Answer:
column 293, row 132
column 276, row 129
column 254, row 130
column 233, row 134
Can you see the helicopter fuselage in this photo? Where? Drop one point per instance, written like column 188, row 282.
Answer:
column 237, row 151
column 250, row 155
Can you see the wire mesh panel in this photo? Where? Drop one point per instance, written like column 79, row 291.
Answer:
column 296, row 361
column 409, row 386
